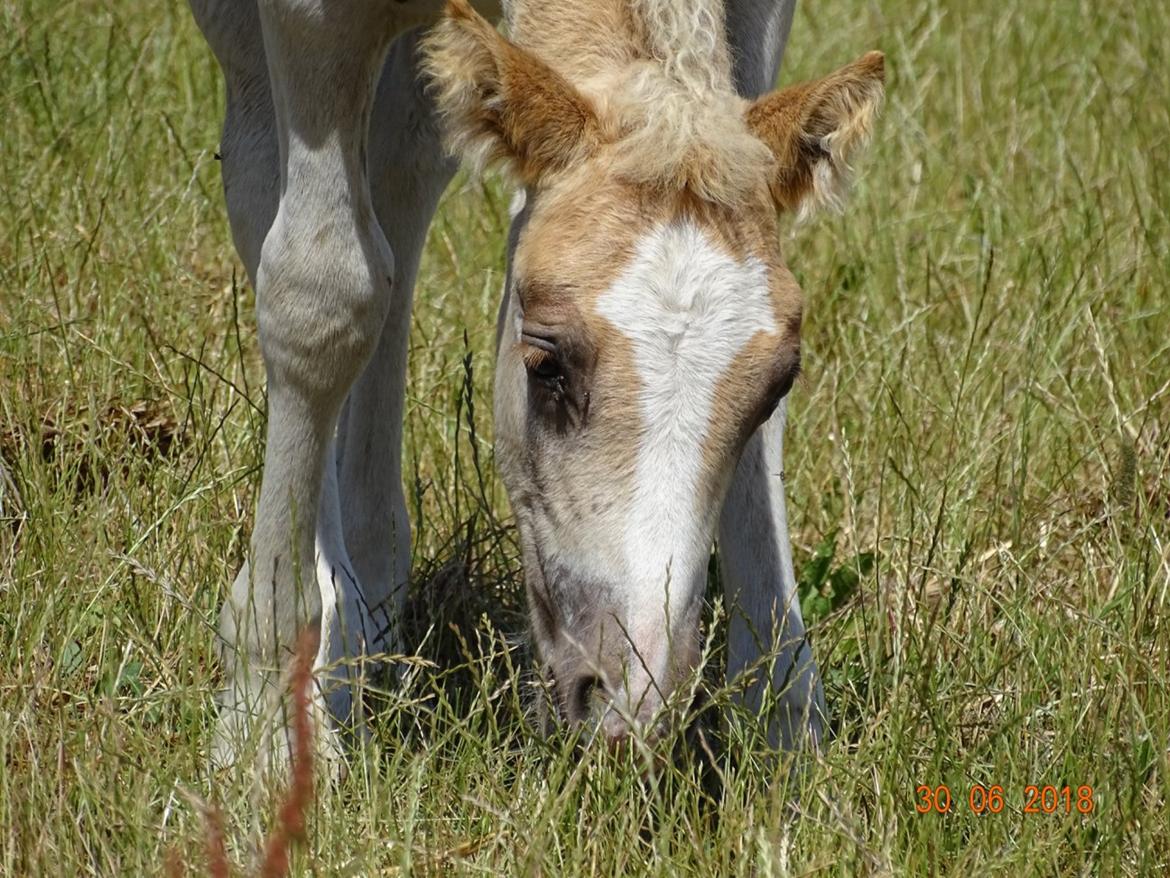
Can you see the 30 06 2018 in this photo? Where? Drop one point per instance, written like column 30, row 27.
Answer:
column 979, row 799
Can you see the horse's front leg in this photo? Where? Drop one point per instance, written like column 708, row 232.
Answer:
column 766, row 630
column 408, row 170
column 766, row 635
column 324, row 287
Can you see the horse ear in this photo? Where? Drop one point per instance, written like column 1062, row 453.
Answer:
column 500, row 103
column 813, row 129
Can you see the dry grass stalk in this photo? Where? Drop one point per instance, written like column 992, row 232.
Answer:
column 290, row 823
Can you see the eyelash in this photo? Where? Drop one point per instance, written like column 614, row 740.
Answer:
column 543, row 367
column 535, row 358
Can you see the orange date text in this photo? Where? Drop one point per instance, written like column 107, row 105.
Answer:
column 978, row 799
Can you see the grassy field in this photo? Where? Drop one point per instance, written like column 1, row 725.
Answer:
column 979, row 468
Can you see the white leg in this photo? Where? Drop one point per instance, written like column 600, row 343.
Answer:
column 408, row 173
column 760, row 587
column 323, row 292
column 754, row 546
column 249, row 155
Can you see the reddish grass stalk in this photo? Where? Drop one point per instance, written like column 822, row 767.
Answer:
column 214, row 848
column 290, row 824
column 217, row 858
column 174, row 864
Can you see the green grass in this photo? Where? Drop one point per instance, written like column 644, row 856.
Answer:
column 979, row 468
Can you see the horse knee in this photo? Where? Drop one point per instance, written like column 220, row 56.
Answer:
column 323, row 294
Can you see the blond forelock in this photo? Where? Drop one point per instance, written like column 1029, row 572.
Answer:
column 664, row 88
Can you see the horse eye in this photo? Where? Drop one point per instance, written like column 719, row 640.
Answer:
column 548, row 369
column 543, row 365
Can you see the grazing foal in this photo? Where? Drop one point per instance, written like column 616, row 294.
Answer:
column 648, row 334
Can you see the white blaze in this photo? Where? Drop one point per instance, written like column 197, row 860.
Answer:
column 688, row 309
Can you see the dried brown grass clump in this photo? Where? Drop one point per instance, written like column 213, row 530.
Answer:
column 120, row 431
